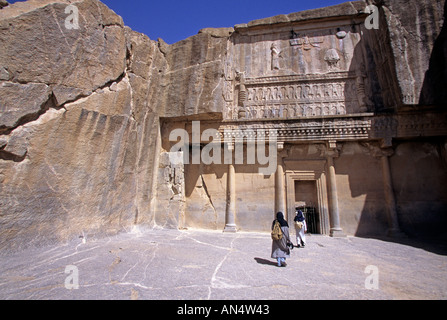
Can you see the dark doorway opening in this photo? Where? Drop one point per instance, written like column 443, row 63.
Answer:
column 312, row 220
column 307, row 200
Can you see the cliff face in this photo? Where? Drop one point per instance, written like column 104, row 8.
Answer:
column 80, row 109
column 79, row 119
column 69, row 133
column 418, row 40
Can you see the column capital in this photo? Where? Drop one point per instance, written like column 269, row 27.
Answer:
column 229, row 145
column 332, row 149
column 387, row 152
column 280, row 146
column 386, row 141
column 332, row 144
column 283, row 151
column 377, row 150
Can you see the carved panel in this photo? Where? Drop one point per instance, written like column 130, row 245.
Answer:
column 297, row 96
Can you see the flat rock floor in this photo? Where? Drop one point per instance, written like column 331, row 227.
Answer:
column 210, row 265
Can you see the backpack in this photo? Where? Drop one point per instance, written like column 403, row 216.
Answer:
column 299, row 225
column 276, row 232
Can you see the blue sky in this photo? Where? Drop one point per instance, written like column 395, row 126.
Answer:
column 175, row 20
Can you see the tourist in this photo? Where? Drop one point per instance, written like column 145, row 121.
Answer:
column 300, row 228
column 280, row 249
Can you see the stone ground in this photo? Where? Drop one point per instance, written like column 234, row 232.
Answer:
column 210, row 265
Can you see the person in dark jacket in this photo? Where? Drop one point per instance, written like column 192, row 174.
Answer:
column 280, row 249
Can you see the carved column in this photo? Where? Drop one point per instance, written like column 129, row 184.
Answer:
column 336, row 230
column 388, row 189
column 383, row 152
column 230, row 213
column 280, row 189
column 280, row 192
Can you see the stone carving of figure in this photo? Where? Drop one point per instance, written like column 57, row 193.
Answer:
column 269, row 94
column 228, row 91
column 275, row 57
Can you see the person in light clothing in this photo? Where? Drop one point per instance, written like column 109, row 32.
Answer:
column 300, row 228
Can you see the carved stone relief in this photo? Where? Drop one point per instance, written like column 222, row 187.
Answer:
column 275, row 57
column 289, row 99
column 306, row 43
column 303, row 73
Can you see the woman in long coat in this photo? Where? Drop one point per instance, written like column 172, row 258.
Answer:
column 280, row 250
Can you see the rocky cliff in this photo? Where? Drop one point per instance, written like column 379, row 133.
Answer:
column 418, row 41
column 79, row 119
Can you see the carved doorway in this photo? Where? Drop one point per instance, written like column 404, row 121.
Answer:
column 307, row 188
column 306, row 198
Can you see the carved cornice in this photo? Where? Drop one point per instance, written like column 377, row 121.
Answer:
column 285, row 79
column 367, row 127
column 318, row 129
column 409, row 125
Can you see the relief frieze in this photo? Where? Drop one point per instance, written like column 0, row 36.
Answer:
column 294, row 96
